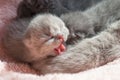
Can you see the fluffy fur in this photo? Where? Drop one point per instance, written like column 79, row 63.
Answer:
column 28, row 8
column 89, row 53
column 84, row 55
column 31, row 39
column 93, row 20
column 79, row 26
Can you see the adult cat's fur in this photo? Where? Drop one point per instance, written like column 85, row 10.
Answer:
column 28, row 8
column 90, row 53
column 31, row 39
column 91, row 21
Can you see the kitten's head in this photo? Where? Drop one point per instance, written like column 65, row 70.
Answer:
column 79, row 26
column 42, row 35
column 38, row 5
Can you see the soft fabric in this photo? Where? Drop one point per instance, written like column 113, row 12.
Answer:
column 7, row 13
column 107, row 72
column 13, row 70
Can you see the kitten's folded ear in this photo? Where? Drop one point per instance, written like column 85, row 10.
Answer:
column 23, row 10
column 28, row 43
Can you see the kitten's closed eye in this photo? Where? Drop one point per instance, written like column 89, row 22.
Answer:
column 46, row 38
column 50, row 56
column 54, row 38
column 46, row 34
column 75, row 37
column 80, row 34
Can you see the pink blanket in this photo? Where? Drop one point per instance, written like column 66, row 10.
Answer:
column 8, row 12
column 13, row 70
column 107, row 72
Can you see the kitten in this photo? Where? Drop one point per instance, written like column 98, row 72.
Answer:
column 28, row 8
column 75, row 5
column 91, row 21
column 89, row 53
column 79, row 26
column 30, row 39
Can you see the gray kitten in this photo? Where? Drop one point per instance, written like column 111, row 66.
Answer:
column 93, row 20
column 89, row 53
column 79, row 26
column 37, row 42
column 92, row 52
column 29, row 8
column 30, row 39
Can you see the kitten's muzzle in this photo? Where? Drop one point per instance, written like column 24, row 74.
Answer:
column 61, row 47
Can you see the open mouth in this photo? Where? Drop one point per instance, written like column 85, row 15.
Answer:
column 61, row 48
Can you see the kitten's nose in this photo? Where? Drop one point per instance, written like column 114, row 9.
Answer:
column 60, row 37
column 61, row 47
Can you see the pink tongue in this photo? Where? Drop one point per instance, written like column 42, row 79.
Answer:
column 60, row 49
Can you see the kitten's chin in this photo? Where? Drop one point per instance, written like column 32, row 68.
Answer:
column 51, row 56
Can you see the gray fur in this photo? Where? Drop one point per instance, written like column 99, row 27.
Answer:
column 90, row 53
column 31, row 39
column 93, row 20
column 28, row 8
